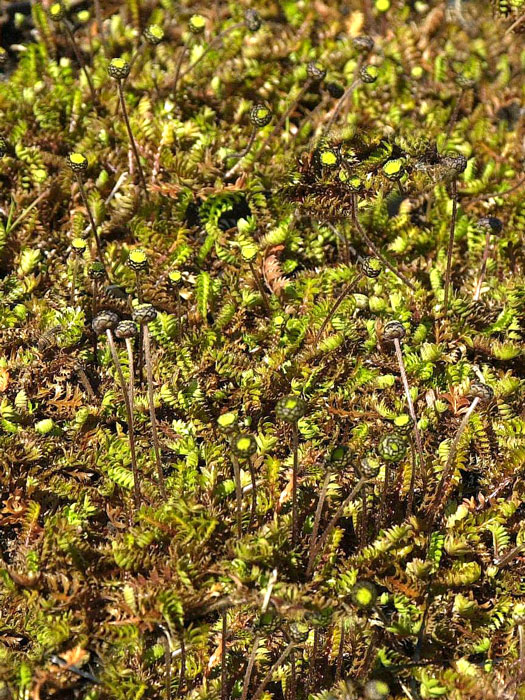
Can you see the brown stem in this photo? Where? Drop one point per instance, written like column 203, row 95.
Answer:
column 384, row 496
column 293, row 677
column 268, row 677
column 182, row 675
column 312, row 664
column 129, row 349
column 131, row 431
column 92, row 222
column 411, row 409
column 483, row 270
column 295, row 448
column 241, row 155
column 339, row 662
column 410, row 499
column 372, row 246
column 346, row 291
column 333, row 522
column 182, row 53
column 100, row 25
column 285, row 115
column 491, row 195
column 249, row 668
column 454, row 194
column 238, row 493
column 364, row 519
column 317, row 519
column 94, row 307
column 74, row 271
column 515, row 24
column 260, row 287
column 340, row 104
column 253, row 476
column 435, row 507
column 138, row 286
column 131, row 138
column 454, row 115
column 153, row 418
column 216, row 40
column 81, row 61
column 224, row 689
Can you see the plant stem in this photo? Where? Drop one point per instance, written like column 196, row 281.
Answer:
column 10, row 227
column 285, row 115
column 216, row 40
column 129, row 349
column 224, row 689
column 81, row 61
column 182, row 53
column 92, row 222
column 339, row 662
column 153, row 418
column 363, row 535
column 317, row 518
column 340, row 104
column 268, row 677
column 260, row 287
column 249, row 668
column 295, row 448
column 293, row 677
column 411, row 409
column 238, row 493
column 93, row 314
column 454, row 194
column 241, row 155
column 454, row 115
column 521, row 634
column 253, row 476
column 333, row 522
column 131, row 138
column 131, row 431
column 182, row 675
column 346, row 291
column 100, row 25
column 435, row 506
column 410, row 500
column 384, row 496
column 373, row 248
column 74, row 271
column 138, row 286
column 482, row 272
column 312, row 664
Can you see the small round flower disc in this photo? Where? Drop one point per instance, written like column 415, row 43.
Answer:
column 364, row 594
column 260, row 116
column 197, row 24
column 118, row 68
column 137, row 260
column 83, row 16
column 394, row 169
column 227, row 421
column 175, row 276
column 403, row 424
column 56, row 11
column 154, row 33
column 78, row 244
column 77, row 161
column 328, row 158
column 290, row 408
column 392, row 448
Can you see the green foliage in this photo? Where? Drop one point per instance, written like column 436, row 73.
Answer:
column 106, row 595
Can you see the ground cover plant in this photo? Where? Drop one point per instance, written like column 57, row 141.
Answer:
column 262, row 429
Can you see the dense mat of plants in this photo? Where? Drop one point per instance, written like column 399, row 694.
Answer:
column 242, row 247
